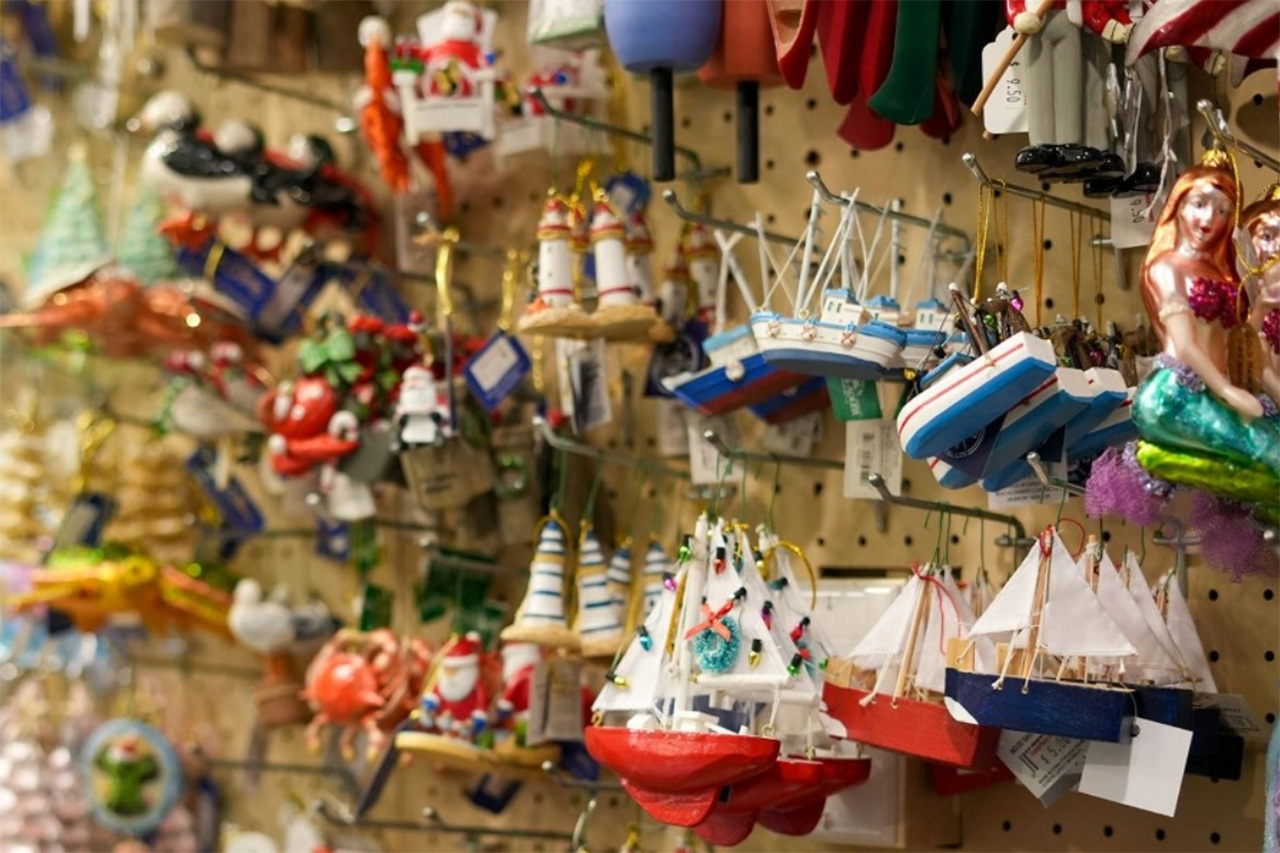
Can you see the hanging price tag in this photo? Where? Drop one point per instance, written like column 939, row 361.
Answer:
column 1145, row 773
column 853, row 399
column 233, row 503
column 1026, row 492
column 669, row 425
column 871, row 447
column 497, row 369
column 795, row 437
column 1047, row 766
column 1133, row 220
column 589, row 384
column 1006, row 111
column 555, row 702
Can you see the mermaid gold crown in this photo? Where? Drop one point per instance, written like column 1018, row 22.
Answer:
column 1216, row 158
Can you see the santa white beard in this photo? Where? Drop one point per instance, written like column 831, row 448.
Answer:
column 514, row 663
column 457, row 683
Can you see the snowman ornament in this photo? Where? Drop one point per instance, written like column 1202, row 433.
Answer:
column 420, row 418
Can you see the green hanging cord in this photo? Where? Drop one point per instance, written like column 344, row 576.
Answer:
column 589, row 509
column 773, row 495
column 937, row 545
column 742, row 512
column 628, row 532
column 946, row 557
column 1142, row 537
column 1062, row 505
column 713, row 511
column 562, row 481
column 982, row 546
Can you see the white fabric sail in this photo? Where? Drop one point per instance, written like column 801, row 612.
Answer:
column 885, row 642
column 1151, row 614
column 720, row 588
column 1011, row 609
column 947, row 617
column 1183, row 631
column 641, row 667
column 1073, row 621
column 1152, row 663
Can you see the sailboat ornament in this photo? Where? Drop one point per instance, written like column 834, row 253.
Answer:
column 712, row 717
column 1069, row 661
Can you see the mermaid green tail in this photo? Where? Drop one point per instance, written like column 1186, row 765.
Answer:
column 1192, row 438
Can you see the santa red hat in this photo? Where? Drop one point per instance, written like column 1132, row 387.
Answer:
column 465, row 650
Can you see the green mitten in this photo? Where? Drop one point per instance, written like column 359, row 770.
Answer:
column 907, row 95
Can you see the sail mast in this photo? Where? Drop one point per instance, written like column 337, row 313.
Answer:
column 1037, row 612
column 908, row 655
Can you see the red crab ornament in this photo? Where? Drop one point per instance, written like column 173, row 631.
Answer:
column 307, row 426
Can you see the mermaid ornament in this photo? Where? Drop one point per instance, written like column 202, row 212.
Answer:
column 1197, row 428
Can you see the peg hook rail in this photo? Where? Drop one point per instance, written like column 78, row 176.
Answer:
column 577, row 448
column 346, row 779
column 730, row 452
column 338, row 815
column 815, row 179
column 673, row 201
column 1035, row 195
column 1020, row 539
column 1222, row 132
column 697, row 172
column 564, row 780
column 1051, row 482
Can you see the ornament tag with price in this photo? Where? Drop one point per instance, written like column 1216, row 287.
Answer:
column 1133, row 220
column 1006, row 111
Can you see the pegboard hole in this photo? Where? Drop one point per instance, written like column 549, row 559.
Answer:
column 1006, row 826
column 906, row 540
column 686, row 122
column 1159, row 835
column 1045, row 186
column 1048, row 303
column 613, row 802
column 498, row 201
column 777, row 488
column 1268, row 594
column 1257, row 100
column 817, row 488
column 1213, row 656
column 946, row 198
column 946, row 140
column 811, row 104
column 768, row 109
column 651, row 441
column 822, row 543
column 728, row 116
column 1213, row 595
column 902, row 260
column 537, row 799
column 1271, row 718
column 1108, row 831
column 1099, row 298
column 906, row 484
column 1048, row 244
column 812, row 158
column 955, row 539
column 862, row 541
column 768, row 164
column 1269, row 656
column 770, row 218
column 464, row 208
column 855, row 153
column 1057, row 829
column 1214, row 838
column 1106, row 536
column 898, row 146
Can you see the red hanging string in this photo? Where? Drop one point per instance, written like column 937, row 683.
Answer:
column 943, row 593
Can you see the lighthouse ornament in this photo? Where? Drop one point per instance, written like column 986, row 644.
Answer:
column 704, row 270
column 599, row 622
column 619, row 315
column 554, row 311
column 540, row 618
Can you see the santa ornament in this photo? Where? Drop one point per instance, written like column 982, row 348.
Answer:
column 619, row 315
column 554, row 311
column 454, row 711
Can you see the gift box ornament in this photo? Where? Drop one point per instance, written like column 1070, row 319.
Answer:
column 541, row 616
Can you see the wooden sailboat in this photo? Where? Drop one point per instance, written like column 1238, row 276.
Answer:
column 888, row 692
column 1052, row 624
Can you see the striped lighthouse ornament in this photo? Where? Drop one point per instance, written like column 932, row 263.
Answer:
column 619, row 575
column 639, row 245
column 673, row 293
column 619, row 314
column 704, row 270
column 599, row 622
column 540, row 618
column 554, row 310
column 656, row 567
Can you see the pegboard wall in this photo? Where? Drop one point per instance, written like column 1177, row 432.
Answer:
column 1239, row 623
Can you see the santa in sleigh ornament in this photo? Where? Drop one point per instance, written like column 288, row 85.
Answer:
column 445, row 77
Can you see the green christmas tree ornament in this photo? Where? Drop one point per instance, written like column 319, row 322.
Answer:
column 142, row 252
column 72, row 244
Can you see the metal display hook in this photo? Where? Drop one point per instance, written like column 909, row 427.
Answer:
column 577, row 448
column 578, row 840
column 1020, row 539
column 1035, row 195
column 1048, row 481
column 346, row 779
column 725, row 450
column 673, row 201
column 438, row 558
column 1180, row 542
column 345, row 123
column 1220, row 130
column 697, row 172
column 563, row 780
column 339, row 815
column 814, row 178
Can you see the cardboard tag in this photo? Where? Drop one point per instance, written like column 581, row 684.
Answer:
column 555, row 702
column 1145, row 773
column 1026, row 492
column 590, row 387
column 373, row 292
column 1133, row 220
column 1046, row 765
column 1006, row 111
column 333, row 539
column 871, row 447
column 706, row 465
column 670, row 428
column 84, row 520
column 1238, row 716
column 853, row 399
column 497, row 369
column 795, row 437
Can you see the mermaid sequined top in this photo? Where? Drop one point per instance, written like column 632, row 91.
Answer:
column 1215, row 301
column 1271, row 329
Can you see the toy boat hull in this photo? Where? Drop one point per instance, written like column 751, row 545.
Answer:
column 815, row 348
column 1116, row 429
column 789, row 780
column 1064, row 708
column 1111, row 394
column 728, row 388
column 798, row 819
column 676, row 776
column 949, row 476
column 808, row 396
column 954, row 407
column 923, row 729
column 1169, row 705
column 1054, row 404
column 919, row 352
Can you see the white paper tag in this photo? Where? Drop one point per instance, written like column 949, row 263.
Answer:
column 1046, row 765
column 1145, row 773
column 1006, row 111
column 670, row 428
column 1133, row 220
column 555, row 702
column 590, row 388
column 871, row 447
column 1026, row 492
column 566, row 350
column 706, row 465
column 1239, row 717
column 795, row 437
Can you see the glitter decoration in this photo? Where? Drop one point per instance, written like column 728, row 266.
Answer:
column 1185, row 376
column 713, row 652
column 1215, row 300
column 1271, row 329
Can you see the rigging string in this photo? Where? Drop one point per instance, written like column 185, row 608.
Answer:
column 1077, row 227
column 1038, row 207
column 943, row 593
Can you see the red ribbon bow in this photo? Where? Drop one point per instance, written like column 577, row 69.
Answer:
column 712, row 622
